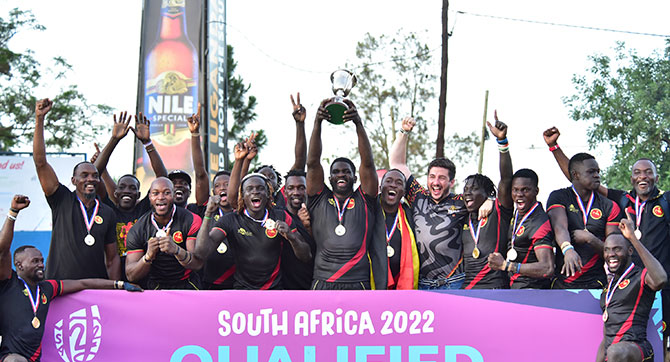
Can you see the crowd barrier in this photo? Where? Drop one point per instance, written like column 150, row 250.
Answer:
column 323, row 326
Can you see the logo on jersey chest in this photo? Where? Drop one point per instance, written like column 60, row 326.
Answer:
column 596, row 214
column 482, row 223
column 624, row 283
column 350, row 205
column 44, row 299
column 178, row 237
column 657, row 211
column 270, row 233
column 242, row 231
column 98, row 219
column 572, row 208
column 521, row 230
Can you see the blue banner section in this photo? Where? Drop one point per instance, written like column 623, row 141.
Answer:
column 38, row 239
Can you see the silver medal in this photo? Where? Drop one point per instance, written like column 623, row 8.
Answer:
column 340, row 230
column 161, row 234
column 511, row 254
column 222, row 248
column 390, row 251
column 89, row 240
column 638, row 234
column 270, row 224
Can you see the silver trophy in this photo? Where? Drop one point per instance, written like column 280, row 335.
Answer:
column 343, row 81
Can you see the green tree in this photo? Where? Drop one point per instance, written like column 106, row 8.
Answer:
column 626, row 101
column 69, row 122
column 396, row 78
column 242, row 107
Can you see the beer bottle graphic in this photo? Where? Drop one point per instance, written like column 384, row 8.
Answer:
column 171, row 88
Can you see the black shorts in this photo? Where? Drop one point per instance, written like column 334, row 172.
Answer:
column 324, row 285
column 559, row 284
column 645, row 348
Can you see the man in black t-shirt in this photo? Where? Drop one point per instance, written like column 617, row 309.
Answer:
column 83, row 239
column 159, row 241
column 581, row 219
column 25, row 296
column 256, row 233
column 344, row 225
column 629, row 296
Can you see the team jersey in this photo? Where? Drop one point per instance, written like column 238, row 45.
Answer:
column 603, row 212
column 280, row 198
column 219, row 270
column 69, row 255
column 126, row 219
column 533, row 234
column 257, row 250
column 165, row 269
column 18, row 334
column 628, row 309
column 438, row 227
column 344, row 258
column 492, row 238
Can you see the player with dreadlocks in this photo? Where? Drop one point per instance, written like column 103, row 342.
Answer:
column 488, row 235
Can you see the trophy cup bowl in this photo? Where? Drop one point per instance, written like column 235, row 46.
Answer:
column 343, row 81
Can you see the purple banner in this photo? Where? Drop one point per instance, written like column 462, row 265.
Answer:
column 309, row 326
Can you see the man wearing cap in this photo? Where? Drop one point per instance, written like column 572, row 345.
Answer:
column 83, row 239
column 159, row 240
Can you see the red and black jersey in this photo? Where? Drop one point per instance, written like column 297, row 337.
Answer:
column 535, row 233
column 343, row 258
column 257, row 250
column 438, row 227
column 492, row 238
column 126, row 219
column 603, row 212
column 69, row 256
column 16, row 315
column 628, row 309
column 219, row 270
column 165, row 269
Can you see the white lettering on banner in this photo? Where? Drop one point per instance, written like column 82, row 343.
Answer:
column 171, row 104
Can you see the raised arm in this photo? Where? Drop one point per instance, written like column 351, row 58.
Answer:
column 205, row 243
column 119, row 130
column 45, row 173
column 19, row 202
column 656, row 276
column 201, row 178
column 240, row 153
column 398, row 153
column 367, row 170
column 299, row 115
column 505, row 184
column 143, row 134
column 314, row 168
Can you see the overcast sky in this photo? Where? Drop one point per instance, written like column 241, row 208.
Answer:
column 289, row 46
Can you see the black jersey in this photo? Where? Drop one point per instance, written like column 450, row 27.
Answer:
column 257, row 250
column 438, row 227
column 603, row 212
column 69, row 256
column 628, row 309
column 280, row 198
column 165, row 269
column 533, row 234
column 492, row 239
column 296, row 274
column 126, row 219
column 219, row 270
column 344, row 258
column 18, row 334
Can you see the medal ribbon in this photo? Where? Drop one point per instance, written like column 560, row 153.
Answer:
column 475, row 236
column 393, row 228
column 610, row 291
column 639, row 208
column 340, row 213
column 153, row 220
column 585, row 212
column 220, row 213
column 34, row 302
column 265, row 218
column 515, row 229
column 87, row 221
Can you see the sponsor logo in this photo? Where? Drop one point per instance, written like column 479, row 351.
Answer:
column 78, row 337
column 596, row 214
column 658, row 211
column 572, row 208
column 44, row 299
column 521, row 230
column 98, row 219
column 624, row 283
column 483, row 222
column 351, row 204
column 271, row 233
column 241, row 231
column 178, row 237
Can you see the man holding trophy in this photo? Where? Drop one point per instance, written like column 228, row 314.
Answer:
column 348, row 238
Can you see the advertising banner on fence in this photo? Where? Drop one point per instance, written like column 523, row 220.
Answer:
column 169, row 77
column 216, row 86
column 310, row 326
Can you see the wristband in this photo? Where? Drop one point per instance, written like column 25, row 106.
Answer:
column 554, row 147
column 207, row 217
column 565, row 244
column 567, row 248
column 502, row 141
column 518, row 268
column 11, row 217
column 195, row 134
column 404, row 132
column 148, row 144
column 13, row 210
column 118, row 284
column 505, row 265
column 146, row 260
column 184, row 258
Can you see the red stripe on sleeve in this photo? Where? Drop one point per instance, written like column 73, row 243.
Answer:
column 555, row 206
column 614, row 212
column 134, row 251
column 219, row 229
column 195, row 225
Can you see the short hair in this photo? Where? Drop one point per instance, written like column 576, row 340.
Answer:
column 653, row 165
column 578, row 158
column 279, row 179
column 527, row 173
column 131, row 176
column 240, row 198
column 443, row 163
column 404, row 179
column 294, row 172
column 482, row 182
column 345, row 160
column 74, row 170
column 21, row 249
column 222, row 173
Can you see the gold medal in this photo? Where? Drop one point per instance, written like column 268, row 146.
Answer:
column 475, row 252
column 222, row 248
column 390, row 251
column 35, row 322
column 89, row 240
column 340, row 230
column 638, row 234
column 605, row 316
